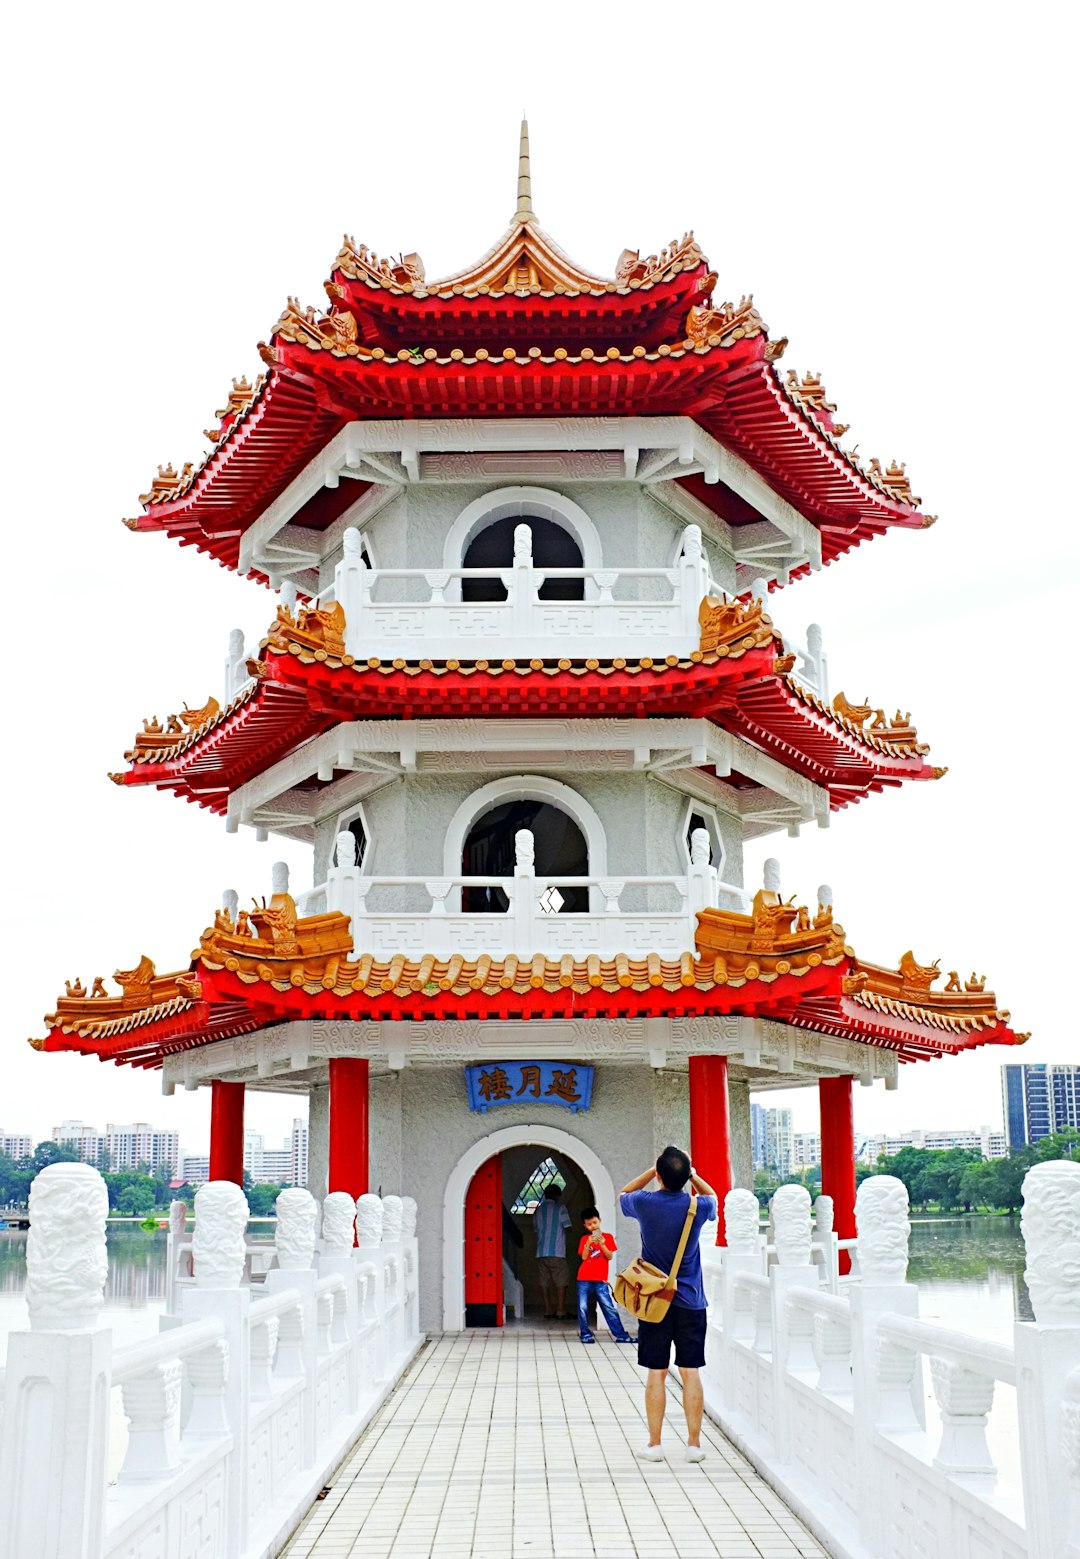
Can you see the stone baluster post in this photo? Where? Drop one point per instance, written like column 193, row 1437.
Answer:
column 886, row 1380
column 287, row 595
column 393, row 1264
column 297, row 1228
column 523, row 906
column 369, row 1259
column 352, row 587
column 54, row 1449
column 693, row 583
column 742, row 1253
column 792, row 1329
column 701, row 878
column 151, row 1403
column 1047, row 1352
column 1070, row 1451
column 817, row 665
column 523, row 587
column 176, row 1265
column 964, row 1399
column 411, row 1255
column 825, row 1237
column 336, row 1255
column 236, row 672
column 220, row 1376
column 343, row 883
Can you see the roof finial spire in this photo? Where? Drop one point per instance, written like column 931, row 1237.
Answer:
column 524, row 212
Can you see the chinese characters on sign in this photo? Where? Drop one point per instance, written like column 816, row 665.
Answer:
column 529, row 1082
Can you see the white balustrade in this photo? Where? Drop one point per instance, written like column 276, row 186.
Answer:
column 812, row 664
column 534, row 921
column 825, row 1390
column 237, row 1412
column 625, row 611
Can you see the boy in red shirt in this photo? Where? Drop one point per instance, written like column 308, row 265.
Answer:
column 596, row 1250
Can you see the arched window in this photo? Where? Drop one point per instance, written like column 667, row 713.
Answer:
column 560, row 850
column 552, row 547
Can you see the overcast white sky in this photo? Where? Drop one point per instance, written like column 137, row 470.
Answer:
column 896, row 186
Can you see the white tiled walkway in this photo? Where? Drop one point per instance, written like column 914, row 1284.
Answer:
column 502, row 1445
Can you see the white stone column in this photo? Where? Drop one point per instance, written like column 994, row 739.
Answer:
column 319, row 1139
column 54, row 1449
column 792, row 1330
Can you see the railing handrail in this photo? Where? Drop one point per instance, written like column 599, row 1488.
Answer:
column 177, row 1343
column 507, row 571
column 269, row 1305
column 756, row 1280
column 993, row 1359
column 818, row 1300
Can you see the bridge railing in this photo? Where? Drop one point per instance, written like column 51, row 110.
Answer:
column 216, row 1435
column 824, row 1386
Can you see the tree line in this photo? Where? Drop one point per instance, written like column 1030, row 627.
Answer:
column 947, row 1180
column 134, row 1193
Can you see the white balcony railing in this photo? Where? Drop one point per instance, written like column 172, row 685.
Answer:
column 536, row 920
column 625, row 611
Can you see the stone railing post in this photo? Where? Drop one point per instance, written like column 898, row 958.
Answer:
column 1047, row 1352
column 336, row 1255
column 742, row 1253
column 54, row 1433
column 343, row 883
column 825, row 1237
column 523, row 585
column 236, row 673
column 523, row 906
column 152, row 1408
column 1070, row 1450
column 411, row 1249
column 220, row 1376
column 394, row 1276
column 369, row 1260
column 297, row 1351
column 693, row 582
column 701, row 878
column 886, row 1380
column 352, row 587
column 177, row 1237
column 792, row 1329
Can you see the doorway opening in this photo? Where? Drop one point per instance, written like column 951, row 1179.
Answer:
column 489, row 851
column 503, row 1277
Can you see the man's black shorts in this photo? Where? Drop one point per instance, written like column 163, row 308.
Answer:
column 685, row 1328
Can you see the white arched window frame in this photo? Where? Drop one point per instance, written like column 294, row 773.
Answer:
column 511, row 502
column 524, row 787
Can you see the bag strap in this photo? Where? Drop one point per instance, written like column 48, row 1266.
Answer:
column 691, row 1212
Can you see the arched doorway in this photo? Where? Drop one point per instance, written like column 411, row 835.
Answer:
column 488, row 851
column 502, row 1270
column 566, row 1150
column 552, row 547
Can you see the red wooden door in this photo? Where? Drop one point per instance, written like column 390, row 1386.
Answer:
column 483, row 1247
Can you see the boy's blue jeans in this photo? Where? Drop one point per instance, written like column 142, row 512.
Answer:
column 591, row 1288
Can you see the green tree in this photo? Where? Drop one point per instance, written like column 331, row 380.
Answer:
column 261, row 1199
column 136, row 1200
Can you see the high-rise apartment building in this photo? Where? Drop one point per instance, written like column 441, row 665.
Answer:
column 299, row 1171
column 757, row 1135
column 806, row 1149
column 986, row 1140
column 195, row 1168
column 16, row 1144
column 121, row 1146
column 79, row 1138
column 1038, row 1100
column 779, row 1142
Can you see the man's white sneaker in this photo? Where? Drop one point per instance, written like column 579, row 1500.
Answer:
column 695, row 1453
column 651, row 1453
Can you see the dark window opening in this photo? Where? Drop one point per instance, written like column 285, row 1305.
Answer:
column 560, row 850
column 356, row 828
column 552, row 547
column 696, row 822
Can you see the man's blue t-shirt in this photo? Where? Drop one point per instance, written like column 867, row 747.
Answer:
column 661, row 1215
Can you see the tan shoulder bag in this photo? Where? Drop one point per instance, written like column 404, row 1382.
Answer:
column 643, row 1289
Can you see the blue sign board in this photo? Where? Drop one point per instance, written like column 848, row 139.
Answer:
column 529, row 1082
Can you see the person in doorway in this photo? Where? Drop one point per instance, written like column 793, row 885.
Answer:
column 596, row 1249
column 662, row 1214
column 551, row 1221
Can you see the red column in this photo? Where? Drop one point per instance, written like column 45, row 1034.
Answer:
column 348, row 1168
column 227, row 1132
column 838, row 1156
column 710, row 1128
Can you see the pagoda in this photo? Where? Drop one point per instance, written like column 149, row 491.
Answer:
column 523, row 695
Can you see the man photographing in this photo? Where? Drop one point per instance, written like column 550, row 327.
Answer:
column 662, row 1215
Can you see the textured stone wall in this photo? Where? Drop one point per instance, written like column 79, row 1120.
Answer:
column 633, row 1108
